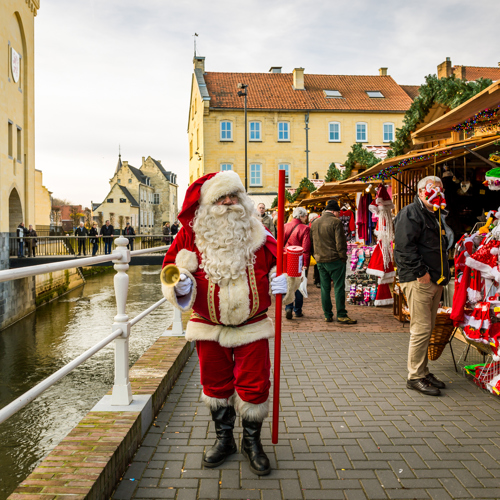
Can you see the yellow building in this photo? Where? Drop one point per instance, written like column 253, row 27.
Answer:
column 43, row 203
column 286, row 111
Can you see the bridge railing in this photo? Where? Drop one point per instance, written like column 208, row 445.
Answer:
column 44, row 246
column 120, row 329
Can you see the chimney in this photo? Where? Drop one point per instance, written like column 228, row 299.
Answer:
column 459, row 72
column 298, row 79
column 125, row 163
column 382, row 71
column 275, row 69
column 199, row 63
column 444, row 69
column 143, row 160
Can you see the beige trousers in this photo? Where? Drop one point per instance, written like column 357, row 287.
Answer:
column 423, row 302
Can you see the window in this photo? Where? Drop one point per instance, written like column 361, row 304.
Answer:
column 388, row 132
column 283, row 131
column 226, row 166
column 286, row 168
column 130, row 181
column 361, row 132
column 123, row 200
column 10, row 148
column 375, row 94
column 110, row 200
column 335, row 94
column 19, row 145
column 156, row 200
column 119, row 181
column 255, row 132
column 255, row 174
column 334, row 132
column 226, row 131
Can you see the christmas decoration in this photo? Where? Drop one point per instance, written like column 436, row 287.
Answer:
column 478, row 121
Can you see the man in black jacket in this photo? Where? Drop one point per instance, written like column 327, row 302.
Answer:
column 81, row 233
column 129, row 233
column 107, row 232
column 421, row 246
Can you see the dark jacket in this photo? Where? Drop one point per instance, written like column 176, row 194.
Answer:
column 328, row 242
column 93, row 232
column 174, row 229
column 107, row 230
column 33, row 235
column 416, row 244
column 301, row 237
column 81, row 231
column 129, row 231
column 166, row 234
column 269, row 224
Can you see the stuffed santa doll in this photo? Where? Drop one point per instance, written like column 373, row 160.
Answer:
column 227, row 259
column 381, row 262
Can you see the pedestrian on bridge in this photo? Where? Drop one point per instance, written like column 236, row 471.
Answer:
column 107, row 232
column 32, row 241
column 167, row 238
column 21, row 233
column 129, row 233
column 81, row 234
column 94, row 234
column 174, row 229
column 228, row 260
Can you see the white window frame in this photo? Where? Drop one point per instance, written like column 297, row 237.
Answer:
column 287, row 131
column 392, row 132
column 366, row 132
column 224, row 167
column 156, row 196
column 226, row 135
column 330, row 132
column 257, row 132
column 286, row 167
column 252, row 169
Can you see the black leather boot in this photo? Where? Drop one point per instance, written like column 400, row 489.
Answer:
column 224, row 445
column 251, row 447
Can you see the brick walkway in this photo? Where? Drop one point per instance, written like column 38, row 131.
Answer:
column 351, row 430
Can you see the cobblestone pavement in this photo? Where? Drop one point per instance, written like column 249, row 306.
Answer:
column 350, row 429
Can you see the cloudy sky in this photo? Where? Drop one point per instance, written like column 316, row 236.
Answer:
column 112, row 72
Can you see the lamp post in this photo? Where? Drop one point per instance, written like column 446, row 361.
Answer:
column 244, row 93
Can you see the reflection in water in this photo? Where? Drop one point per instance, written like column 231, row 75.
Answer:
column 45, row 341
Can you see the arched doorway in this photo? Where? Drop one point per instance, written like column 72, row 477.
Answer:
column 15, row 211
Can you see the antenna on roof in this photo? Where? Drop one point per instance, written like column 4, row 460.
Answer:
column 194, row 39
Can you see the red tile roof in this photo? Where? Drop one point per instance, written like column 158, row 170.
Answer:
column 411, row 90
column 275, row 91
column 475, row 72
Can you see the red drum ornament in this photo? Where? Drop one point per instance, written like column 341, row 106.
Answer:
column 294, row 261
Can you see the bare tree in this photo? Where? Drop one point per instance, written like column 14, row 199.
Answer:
column 88, row 218
column 76, row 216
column 100, row 219
column 121, row 220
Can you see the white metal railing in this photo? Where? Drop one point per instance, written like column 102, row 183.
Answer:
column 120, row 329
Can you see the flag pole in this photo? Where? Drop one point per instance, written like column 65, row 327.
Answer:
column 279, row 303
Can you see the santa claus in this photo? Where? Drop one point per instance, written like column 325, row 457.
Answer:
column 227, row 262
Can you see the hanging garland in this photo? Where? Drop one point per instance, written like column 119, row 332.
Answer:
column 476, row 122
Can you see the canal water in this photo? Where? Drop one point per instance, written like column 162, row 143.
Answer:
column 46, row 340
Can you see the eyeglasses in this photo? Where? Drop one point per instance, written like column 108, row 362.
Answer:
column 232, row 197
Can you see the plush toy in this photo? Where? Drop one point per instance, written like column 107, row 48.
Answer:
column 435, row 195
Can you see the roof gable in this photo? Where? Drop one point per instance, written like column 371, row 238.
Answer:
column 129, row 196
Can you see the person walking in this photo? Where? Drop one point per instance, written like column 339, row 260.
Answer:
column 297, row 233
column 421, row 243
column 329, row 248
column 266, row 219
column 21, row 233
column 81, row 234
column 317, row 279
column 32, row 241
column 107, row 232
column 94, row 234
column 174, row 229
column 167, row 238
column 129, row 233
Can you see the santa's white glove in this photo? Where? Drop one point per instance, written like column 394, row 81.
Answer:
column 184, row 286
column 279, row 284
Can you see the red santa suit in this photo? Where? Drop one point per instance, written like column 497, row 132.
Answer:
column 229, row 322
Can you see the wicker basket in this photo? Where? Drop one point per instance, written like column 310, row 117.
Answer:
column 440, row 335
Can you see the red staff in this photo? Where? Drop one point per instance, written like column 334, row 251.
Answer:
column 279, row 303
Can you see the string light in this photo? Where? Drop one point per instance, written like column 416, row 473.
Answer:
column 476, row 121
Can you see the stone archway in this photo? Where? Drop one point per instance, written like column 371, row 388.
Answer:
column 15, row 211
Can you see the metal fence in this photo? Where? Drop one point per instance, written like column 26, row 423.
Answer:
column 44, row 246
column 120, row 329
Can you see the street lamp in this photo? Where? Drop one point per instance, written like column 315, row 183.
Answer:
column 244, row 93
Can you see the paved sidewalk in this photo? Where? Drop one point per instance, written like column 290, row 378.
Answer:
column 350, row 429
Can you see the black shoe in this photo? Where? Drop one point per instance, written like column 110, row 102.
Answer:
column 329, row 320
column 347, row 321
column 289, row 314
column 251, row 447
column 79, row 255
column 423, row 386
column 225, row 444
column 434, row 381
column 317, row 285
column 298, row 315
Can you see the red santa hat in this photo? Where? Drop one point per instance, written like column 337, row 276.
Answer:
column 485, row 259
column 475, row 288
column 207, row 190
column 384, row 297
column 377, row 267
column 382, row 200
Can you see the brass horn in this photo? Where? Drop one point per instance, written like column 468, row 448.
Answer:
column 170, row 275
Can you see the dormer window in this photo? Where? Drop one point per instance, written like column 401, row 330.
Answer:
column 375, row 94
column 333, row 94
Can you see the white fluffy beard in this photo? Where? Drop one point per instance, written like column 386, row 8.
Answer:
column 223, row 235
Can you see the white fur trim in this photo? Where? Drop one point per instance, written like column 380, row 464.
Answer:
column 188, row 260
column 388, row 278
column 475, row 323
column 474, row 295
column 376, row 272
column 293, row 285
column 223, row 183
column 250, row 411
column 234, row 301
column 384, row 302
column 182, row 303
column 494, row 251
column 216, row 403
column 478, row 266
column 228, row 336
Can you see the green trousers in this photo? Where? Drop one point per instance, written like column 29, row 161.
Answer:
column 333, row 271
